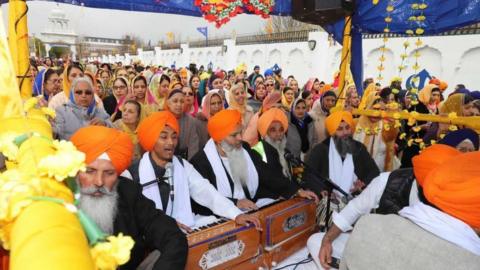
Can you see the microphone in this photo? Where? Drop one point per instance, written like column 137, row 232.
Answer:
column 169, row 177
column 156, row 180
column 291, row 158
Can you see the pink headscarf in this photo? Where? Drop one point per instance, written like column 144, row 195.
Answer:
column 206, row 102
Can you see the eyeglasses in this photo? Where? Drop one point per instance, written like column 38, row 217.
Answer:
column 86, row 93
column 54, row 81
column 188, row 94
column 269, row 84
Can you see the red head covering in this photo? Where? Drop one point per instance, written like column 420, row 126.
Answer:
column 430, row 158
column 223, row 123
column 150, row 128
column 454, row 187
column 96, row 140
column 268, row 117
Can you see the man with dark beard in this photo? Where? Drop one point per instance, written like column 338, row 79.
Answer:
column 272, row 126
column 236, row 171
column 117, row 205
column 345, row 161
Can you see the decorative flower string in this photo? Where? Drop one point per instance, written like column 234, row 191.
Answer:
column 386, row 30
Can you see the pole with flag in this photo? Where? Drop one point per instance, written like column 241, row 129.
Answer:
column 204, row 32
column 18, row 44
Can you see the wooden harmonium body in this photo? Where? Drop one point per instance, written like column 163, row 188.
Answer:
column 287, row 225
column 222, row 245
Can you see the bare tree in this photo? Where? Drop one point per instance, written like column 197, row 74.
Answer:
column 279, row 24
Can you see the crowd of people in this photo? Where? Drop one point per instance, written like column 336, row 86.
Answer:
column 233, row 142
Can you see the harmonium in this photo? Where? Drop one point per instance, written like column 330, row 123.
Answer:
column 222, row 245
column 287, row 225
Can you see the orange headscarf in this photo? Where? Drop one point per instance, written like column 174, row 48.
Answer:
column 333, row 121
column 454, row 187
column 150, row 128
column 430, row 158
column 268, row 117
column 223, row 123
column 96, row 140
column 425, row 94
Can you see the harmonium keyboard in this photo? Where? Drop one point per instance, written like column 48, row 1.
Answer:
column 287, row 225
column 222, row 245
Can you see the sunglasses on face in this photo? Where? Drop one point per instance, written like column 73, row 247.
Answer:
column 86, row 93
column 188, row 94
column 269, row 84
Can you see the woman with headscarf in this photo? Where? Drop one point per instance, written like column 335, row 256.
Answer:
column 194, row 84
column 160, row 86
column 301, row 135
column 143, row 96
column 46, row 85
column 131, row 113
column 250, row 134
column 211, row 104
column 288, row 97
column 430, row 96
column 259, row 94
column 319, row 112
column 119, row 95
column 378, row 136
column 79, row 111
column 191, row 106
column 292, row 83
column 237, row 100
column 188, row 141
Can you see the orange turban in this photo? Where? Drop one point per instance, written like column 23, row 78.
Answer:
column 454, row 187
column 430, row 158
column 96, row 140
column 223, row 123
column 333, row 121
column 150, row 128
column 268, row 117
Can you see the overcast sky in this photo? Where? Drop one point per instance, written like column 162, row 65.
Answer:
column 148, row 26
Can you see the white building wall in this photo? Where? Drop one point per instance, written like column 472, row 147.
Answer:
column 454, row 59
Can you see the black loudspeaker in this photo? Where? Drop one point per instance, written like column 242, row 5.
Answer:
column 321, row 12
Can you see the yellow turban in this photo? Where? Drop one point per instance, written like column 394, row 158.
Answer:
column 454, row 187
column 333, row 121
column 223, row 123
column 96, row 140
column 150, row 128
column 48, row 236
column 268, row 117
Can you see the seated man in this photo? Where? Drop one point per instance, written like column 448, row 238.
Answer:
column 272, row 126
column 439, row 232
column 235, row 170
column 388, row 193
column 342, row 159
column 117, row 205
column 171, row 182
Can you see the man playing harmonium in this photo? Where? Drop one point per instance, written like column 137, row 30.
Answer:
column 238, row 172
column 171, row 182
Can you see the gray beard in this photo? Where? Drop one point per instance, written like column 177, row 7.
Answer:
column 103, row 209
column 237, row 163
column 344, row 146
column 280, row 147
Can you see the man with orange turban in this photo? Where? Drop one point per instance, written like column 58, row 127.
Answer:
column 117, row 205
column 170, row 181
column 387, row 193
column 237, row 171
column 272, row 126
column 441, row 231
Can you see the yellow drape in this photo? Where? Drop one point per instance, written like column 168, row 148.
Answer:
column 345, row 61
column 18, row 43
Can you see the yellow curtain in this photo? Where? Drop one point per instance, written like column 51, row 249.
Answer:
column 10, row 101
column 18, row 42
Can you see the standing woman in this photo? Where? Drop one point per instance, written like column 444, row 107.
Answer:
column 160, row 86
column 259, row 94
column 188, row 141
column 301, row 135
column 143, row 96
column 237, row 100
column 120, row 91
column 46, row 85
column 430, row 96
column 293, row 84
column 212, row 103
column 308, row 97
column 69, row 74
column 194, row 83
column 131, row 112
column 191, row 105
column 288, row 96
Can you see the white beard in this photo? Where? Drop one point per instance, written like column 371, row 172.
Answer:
column 237, row 162
column 102, row 209
column 280, row 147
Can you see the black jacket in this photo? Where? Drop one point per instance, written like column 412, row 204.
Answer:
column 317, row 163
column 397, row 192
column 272, row 183
column 150, row 229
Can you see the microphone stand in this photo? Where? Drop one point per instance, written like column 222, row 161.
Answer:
column 329, row 183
